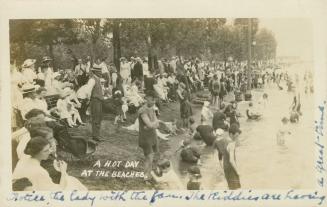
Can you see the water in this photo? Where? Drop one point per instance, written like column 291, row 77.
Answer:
column 262, row 163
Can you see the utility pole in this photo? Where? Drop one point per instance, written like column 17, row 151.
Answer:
column 249, row 60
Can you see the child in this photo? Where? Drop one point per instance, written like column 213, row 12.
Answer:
column 124, row 108
column 206, row 113
column 192, row 126
column 114, row 76
column 72, row 105
column 166, row 177
column 118, row 103
column 74, row 113
column 195, row 175
column 62, row 106
column 283, row 132
column 251, row 114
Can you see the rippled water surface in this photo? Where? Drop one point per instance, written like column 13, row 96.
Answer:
column 263, row 164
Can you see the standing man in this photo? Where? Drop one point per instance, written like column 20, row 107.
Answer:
column 96, row 100
column 138, row 70
column 80, row 72
column 148, row 141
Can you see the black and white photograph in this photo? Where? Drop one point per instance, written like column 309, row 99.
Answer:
column 104, row 104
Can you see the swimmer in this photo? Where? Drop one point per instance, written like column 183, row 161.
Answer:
column 251, row 114
column 283, row 132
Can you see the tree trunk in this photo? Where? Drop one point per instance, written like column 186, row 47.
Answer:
column 152, row 58
column 116, row 45
column 52, row 55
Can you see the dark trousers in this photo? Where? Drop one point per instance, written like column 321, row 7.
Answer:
column 96, row 116
column 82, row 110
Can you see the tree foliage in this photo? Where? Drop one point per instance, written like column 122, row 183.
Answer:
column 207, row 38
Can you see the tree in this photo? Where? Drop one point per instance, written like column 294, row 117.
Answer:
column 116, row 44
column 97, row 32
column 43, row 33
column 266, row 45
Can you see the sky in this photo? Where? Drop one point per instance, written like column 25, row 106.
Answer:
column 294, row 36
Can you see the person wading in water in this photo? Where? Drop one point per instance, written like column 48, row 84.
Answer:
column 227, row 156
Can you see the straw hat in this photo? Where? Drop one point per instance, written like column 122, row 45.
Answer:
column 96, row 68
column 46, row 59
column 27, row 88
column 28, row 63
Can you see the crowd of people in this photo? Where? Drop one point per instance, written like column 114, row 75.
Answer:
column 94, row 87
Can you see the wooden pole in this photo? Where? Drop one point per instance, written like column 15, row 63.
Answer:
column 249, row 59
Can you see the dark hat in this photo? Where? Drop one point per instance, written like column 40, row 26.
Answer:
column 233, row 129
column 194, row 170
column 46, row 59
column 96, row 68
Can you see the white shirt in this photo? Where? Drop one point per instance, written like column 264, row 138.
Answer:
column 145, row 67
column 104, row 68
column 42, row 104
column 171, row 79
column 29, row 75
column 90, row 84
column 16, row 97
column 84, row 92
column 27, row 105
column 88, row 67
column 40, row 76
column 79, row 69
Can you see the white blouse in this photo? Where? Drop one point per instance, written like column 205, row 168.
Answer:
column 30, row 168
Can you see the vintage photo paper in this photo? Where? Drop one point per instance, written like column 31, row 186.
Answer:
column 165, row 103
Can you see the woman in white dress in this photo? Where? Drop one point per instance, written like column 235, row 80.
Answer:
column 125, row 69
column 29, row 167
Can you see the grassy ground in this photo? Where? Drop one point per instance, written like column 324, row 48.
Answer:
column 120, row 145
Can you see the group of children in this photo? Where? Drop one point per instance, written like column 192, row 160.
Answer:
column 190, row 153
